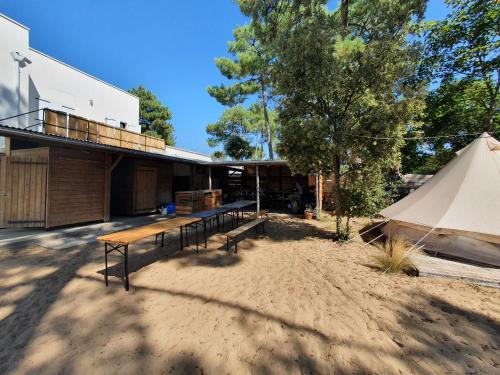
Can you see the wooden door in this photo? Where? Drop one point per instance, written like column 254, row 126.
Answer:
column 23, row 184
column 145, row 189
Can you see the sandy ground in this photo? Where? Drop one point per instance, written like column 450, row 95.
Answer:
column 290, row 302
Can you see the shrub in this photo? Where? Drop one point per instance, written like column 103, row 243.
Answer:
column 393, row 255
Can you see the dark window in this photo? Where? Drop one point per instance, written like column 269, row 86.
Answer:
column 123, row 125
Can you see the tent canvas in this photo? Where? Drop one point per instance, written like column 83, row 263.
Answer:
column 458, row 208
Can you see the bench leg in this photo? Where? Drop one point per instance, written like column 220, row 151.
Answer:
column 182, row 245
column 227, row 244
column 106, row 263
column 196, row 235
column 205, row 232
column 187, row 238
column 126, row 268
column 235, row 246
column 162, row 239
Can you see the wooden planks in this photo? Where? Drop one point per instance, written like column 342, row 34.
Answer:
column 243, row 228
column 23, row 191
column 129, row 236
column 77, row 187
column 3, row 190
column 188, row 202
column 71, row 126
column 145, row 190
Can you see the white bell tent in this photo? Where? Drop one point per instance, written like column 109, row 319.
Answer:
column 457, row 212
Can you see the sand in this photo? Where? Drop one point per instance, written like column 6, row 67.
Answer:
column 290, row 302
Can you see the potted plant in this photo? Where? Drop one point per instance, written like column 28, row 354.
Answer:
column 308, row 213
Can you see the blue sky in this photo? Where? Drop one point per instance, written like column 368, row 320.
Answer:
column 167, row 46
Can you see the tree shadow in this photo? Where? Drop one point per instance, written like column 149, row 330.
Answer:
column 435, row 333
column 33, row 315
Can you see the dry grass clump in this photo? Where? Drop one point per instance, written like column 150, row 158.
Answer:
column 393, row 255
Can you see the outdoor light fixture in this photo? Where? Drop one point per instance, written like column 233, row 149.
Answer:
column 22, row 61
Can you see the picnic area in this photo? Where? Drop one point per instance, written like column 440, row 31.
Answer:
column 289, row 301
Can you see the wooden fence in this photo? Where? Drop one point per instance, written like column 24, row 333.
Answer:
column 71, row 126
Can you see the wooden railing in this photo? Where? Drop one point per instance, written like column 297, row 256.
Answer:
column 71, row 126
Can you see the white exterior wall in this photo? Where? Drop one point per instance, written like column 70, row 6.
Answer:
column 13, row 38
column 47, row 82
column 59, row 86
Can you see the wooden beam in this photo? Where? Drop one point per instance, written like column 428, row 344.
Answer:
column 7, row 146
column 209, row 177
column 107, row 187
column 115, row 163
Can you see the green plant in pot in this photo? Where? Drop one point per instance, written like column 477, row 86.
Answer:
column 308, row 213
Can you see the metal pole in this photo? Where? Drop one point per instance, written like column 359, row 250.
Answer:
column 209, row 177
column 317, row 197
column 258, row 189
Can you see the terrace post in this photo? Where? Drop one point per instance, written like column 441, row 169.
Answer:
column 209, row 177
column 318, row 196
column 258, row 189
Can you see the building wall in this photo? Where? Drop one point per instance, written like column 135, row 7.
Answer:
column 47, row 82
column 13, row 37
column 75, row 187
column 58, row 86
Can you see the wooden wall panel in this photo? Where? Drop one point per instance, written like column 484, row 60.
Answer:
column 76, row 187
column 3, row 189
column 23, row 182
column 145, row 190
column 165, row 194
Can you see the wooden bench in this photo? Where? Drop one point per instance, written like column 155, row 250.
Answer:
column 120, row 241
column 233, row 235
column 255, row 216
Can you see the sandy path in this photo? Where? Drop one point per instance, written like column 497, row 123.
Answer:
column 290, row 302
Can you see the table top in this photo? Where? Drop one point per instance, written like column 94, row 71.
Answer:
column 131, row 235
column 238, row 204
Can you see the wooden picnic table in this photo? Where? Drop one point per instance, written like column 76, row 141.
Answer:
column 238, row 207
column 234, row 208
column 119, row 241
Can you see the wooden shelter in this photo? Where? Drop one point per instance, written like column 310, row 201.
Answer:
column 51, row 181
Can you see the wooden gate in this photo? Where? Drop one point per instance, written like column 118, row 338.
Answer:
column 145, row 190
column 23, row 187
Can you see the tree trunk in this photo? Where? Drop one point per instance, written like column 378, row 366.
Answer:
column 336, row 188
column 266, row 120
column 344, row 12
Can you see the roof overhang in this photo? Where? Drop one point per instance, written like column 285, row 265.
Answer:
column 245, row 163
column 49, row 139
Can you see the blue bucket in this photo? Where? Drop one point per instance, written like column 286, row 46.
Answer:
column 171, row 209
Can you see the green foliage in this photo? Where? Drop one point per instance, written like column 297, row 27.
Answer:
column 364, row 191
column 249, row 67
column 154, row 117
column 235, row 121
column 466, row 46
column 238, row 148
column 219, row 155
column 455, row 107
column 343, row 77
column 231, row 131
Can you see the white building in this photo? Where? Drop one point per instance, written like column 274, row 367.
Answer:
column 30, row 80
